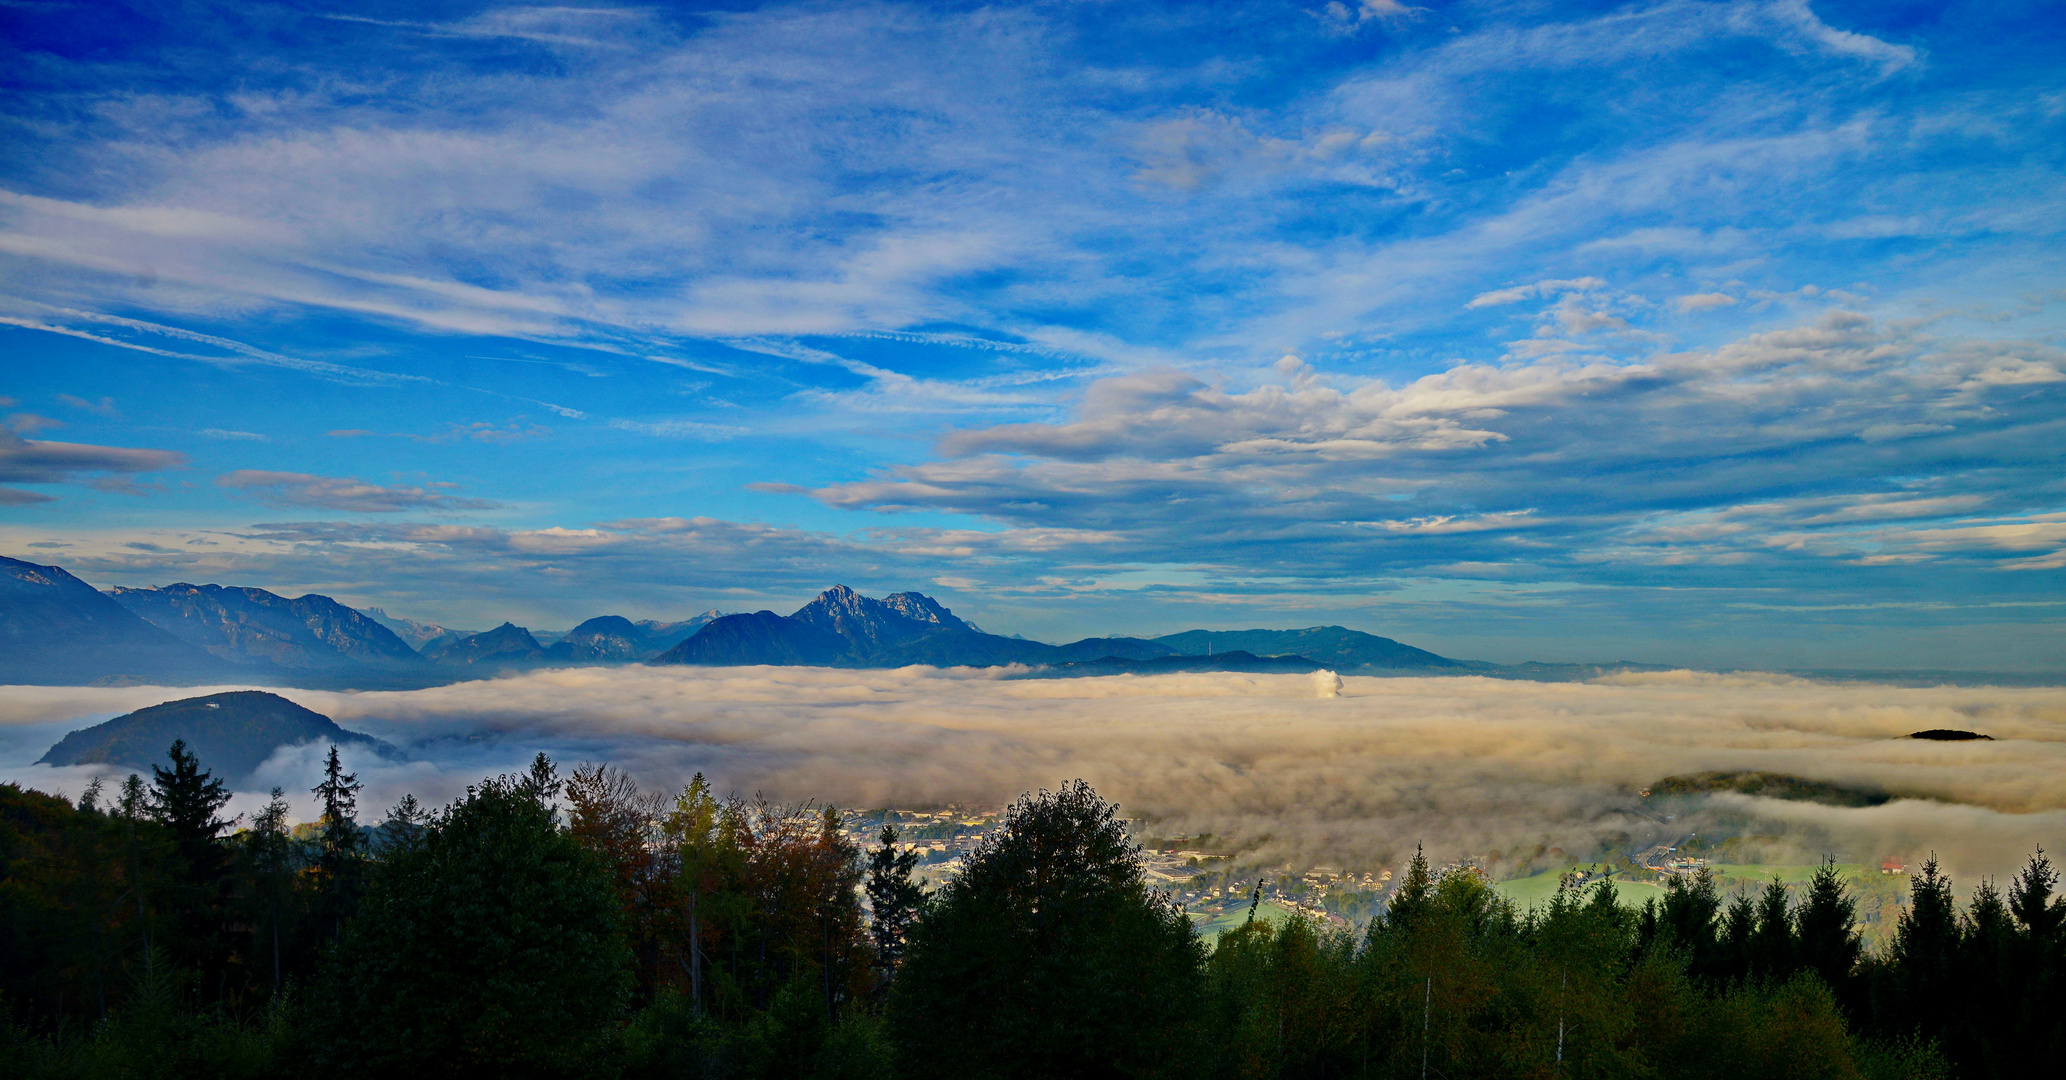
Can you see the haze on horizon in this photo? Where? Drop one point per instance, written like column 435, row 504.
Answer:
column 1696, row 333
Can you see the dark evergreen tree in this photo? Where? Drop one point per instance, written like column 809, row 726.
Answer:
column 1772, row 946
column 340, row 844
column 1738, row 930
column 1416, row 891
column 404, row 824
column 893, row 900
column 491, row 947
column 1686, row 922
column 2036, row 969
column 269, row 860
column 1826, row 936
column 542, row 781
column 1919, row 987
column 1048, row 956
column 184, row 800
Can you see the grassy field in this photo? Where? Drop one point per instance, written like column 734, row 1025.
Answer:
column 1212, row 928
column 1536, row 890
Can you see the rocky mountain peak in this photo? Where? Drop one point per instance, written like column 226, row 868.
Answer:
column 868, row 623
column 923, row 608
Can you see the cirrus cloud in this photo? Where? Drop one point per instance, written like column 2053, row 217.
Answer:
column 345, row 493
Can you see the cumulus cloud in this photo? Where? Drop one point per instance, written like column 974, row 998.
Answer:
column 1829, row 410
column 1704, row 301
column 1292, row 766
column 344, row 493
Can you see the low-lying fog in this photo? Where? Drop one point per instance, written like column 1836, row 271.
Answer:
column 1300, row 768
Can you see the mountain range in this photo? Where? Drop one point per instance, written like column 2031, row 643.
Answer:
column 254, row 627
column 58, row 629
column 55, row 628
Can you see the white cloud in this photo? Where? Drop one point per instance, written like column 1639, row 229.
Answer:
column 343, row 493
column 1704, row 301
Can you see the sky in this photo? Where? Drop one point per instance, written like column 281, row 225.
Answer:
column 1719, row 334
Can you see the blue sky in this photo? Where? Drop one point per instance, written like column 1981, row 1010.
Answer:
column 1687, row 332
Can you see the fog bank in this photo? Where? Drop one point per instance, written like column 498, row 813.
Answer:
column 1293, row 768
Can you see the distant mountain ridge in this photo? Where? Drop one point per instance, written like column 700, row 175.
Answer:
column 615, row 639
column 842, row 628
column 56, row 629
column 1332, row 645
column 252, row 626
column 506, row 646
column 420, row 636
column 184, row 633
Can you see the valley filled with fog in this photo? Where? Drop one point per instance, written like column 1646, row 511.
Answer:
column 1292, row 769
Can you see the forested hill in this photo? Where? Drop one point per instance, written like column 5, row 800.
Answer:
column 235, row 731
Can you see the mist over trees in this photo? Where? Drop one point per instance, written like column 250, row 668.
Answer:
column 547, row 925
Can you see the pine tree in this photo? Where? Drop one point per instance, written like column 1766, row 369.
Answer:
column 893, row 899
column 2030, row 901
column 1416, row 892
column 1922, row 960
column 1739, row 929
column 1686, row 920
column 135, row 803
column 690, row 830
column 542, row 782
column 339, row 836
column 270, row 851
column 1772, row 944
column 404, row 824
column 340, row 844
column 1826, row 932
column 184, row 800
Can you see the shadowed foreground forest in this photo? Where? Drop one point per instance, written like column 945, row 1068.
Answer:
column 547, row 926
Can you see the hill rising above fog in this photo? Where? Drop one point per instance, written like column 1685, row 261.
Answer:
column 231, row 733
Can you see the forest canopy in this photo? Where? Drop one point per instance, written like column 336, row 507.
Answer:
column 576, row 925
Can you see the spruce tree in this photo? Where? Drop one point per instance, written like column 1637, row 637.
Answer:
column 269, row 850
column 1416, row 892
column 1739, row 928
column 184, row 800
column 893, row 899
column 340, row 844
column 1826, row 932
column 404, row 824
column 1772, row 944
column 2030, row 901
column 1921, row 962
